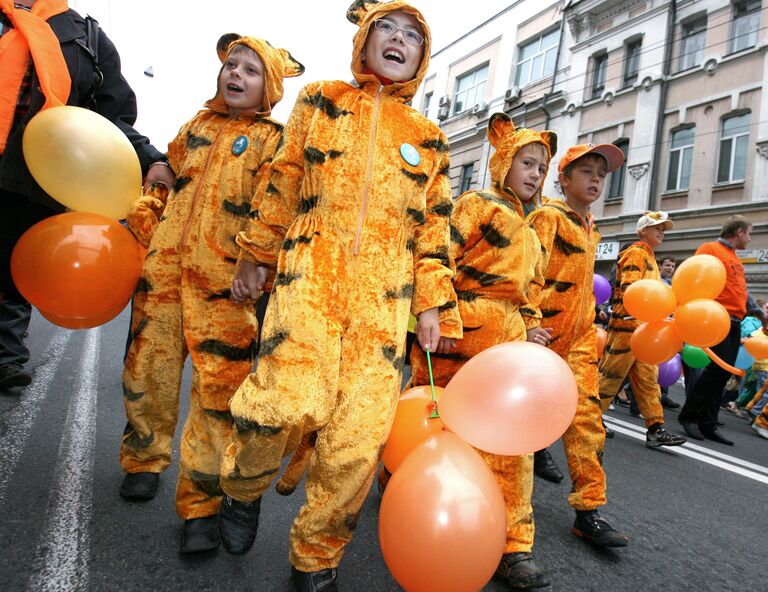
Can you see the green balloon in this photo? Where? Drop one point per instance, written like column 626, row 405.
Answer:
column 695, row 357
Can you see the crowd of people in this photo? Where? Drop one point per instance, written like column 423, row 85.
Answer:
column 344, row 217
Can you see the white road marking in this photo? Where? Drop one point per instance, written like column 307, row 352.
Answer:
column 19, row 420
column 63, row 549
column 712, row 457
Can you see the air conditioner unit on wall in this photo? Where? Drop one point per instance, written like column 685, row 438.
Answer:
column 445, row 100
column 512, row 94
column 480, row 108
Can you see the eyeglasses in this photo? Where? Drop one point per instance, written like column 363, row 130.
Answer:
column 389, row 28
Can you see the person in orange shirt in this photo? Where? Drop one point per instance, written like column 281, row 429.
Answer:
column 699, row 414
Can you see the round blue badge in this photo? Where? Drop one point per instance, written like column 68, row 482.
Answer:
column 410, row 154
column 239, row 145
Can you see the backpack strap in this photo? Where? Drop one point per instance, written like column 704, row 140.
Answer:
column 91, row 47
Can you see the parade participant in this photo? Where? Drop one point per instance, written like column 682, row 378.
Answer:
column 182, row 305
column 569, row 239
column 355, row 222
column 497, row 258
column 636, row 262
column 50, row 55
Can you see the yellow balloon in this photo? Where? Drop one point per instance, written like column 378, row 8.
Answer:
column 83, row 161
column 411, row 324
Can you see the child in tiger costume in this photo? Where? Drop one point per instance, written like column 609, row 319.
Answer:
column 498, row 258
column 569, row 239
column 355, row 223
column 182, row 303
column 636, row 262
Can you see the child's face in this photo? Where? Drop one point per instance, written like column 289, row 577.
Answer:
column 241, row 82
column 392, row 49
column 584, row 184
column 652, row 235
column 525, row 176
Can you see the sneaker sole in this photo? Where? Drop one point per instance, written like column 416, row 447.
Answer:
column 594, row 541
column 15, row 382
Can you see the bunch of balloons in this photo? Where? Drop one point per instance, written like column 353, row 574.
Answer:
column 80, row 268
column 442, row 522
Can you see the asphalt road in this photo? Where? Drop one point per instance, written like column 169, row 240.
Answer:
column 697, row 516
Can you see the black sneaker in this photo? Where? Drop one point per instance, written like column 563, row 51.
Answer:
column 139, row 486
column 13, row 376
column 314, row 581
column 238, row 524
column 661, row 437
column 200, row 534
column 545, row 467
column 609, row 433
column 591, row 527
column 668, row 403
column 519, row 571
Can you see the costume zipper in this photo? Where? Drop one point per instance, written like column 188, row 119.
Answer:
column 368, row 173
column 590, row 253
column 200, row 185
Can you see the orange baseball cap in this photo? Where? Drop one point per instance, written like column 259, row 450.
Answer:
column 612, row 154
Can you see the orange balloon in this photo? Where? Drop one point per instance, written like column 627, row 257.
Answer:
column 700, row 276
column 723, row 364
column 649, row 300
column 76, row 265
column 442, row 521
column 655, row 343
column 702, row 322
column 83, row 322
column 602, row 337
column 513, row 398
column 757, row 347
column 412, row 425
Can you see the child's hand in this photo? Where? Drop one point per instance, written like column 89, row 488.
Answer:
column 446, row 345
column 428, row 329
column 539, row 335
column 159, row 174
column 249, row 281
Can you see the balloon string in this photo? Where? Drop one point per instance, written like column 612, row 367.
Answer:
column 720, row 362
column 434, row 414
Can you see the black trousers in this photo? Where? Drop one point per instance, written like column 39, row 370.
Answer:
column 702, row 404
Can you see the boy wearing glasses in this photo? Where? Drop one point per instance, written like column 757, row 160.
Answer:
column 355, row 222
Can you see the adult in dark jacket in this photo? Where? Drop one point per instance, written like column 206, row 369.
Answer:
column 94, row 82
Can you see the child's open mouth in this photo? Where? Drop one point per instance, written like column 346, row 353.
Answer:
column 394, row 55
column 234, row 88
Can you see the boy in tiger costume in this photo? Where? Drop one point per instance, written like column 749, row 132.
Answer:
column 498, row 257
column 569, row 239
column 182, row 303
column 355, row 223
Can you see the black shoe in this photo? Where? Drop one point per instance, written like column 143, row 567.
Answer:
column 12, row 376
column 692, row 430
column 238, row 523
column 609, row 433
column 714, row 435
column 591, row 527
column 622, row 402
column 139, row 486
column 544, row 466
column 314, row 581
column 668, row 403
column 200, row 534
column 661, row 437
column 519, row 571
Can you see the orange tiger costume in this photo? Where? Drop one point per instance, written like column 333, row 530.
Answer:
column 497, row 257
column 636, row 262
column 182, row 304
column 567, row 304
column 355, row 220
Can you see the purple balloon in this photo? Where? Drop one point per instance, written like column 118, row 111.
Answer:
column 602, row 288
column 670, row 371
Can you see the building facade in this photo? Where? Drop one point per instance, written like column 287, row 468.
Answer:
column 678, row 85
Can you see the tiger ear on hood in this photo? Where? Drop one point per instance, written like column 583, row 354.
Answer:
column 291, row 66
column 358, row 9
column 499, row 125
column 551, row 139
column 222, row 45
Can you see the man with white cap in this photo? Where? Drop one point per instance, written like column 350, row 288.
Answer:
column 636, row 262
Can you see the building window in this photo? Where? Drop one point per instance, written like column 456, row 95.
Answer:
column 598, row 75
column 536, row 59
column 470, row 89
column 616, row 188
column 692, row 46
column 746, row 23
column 466, row 177
column 680, row 159
column 732, row 162
column 425, row 104
column 631, row 62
